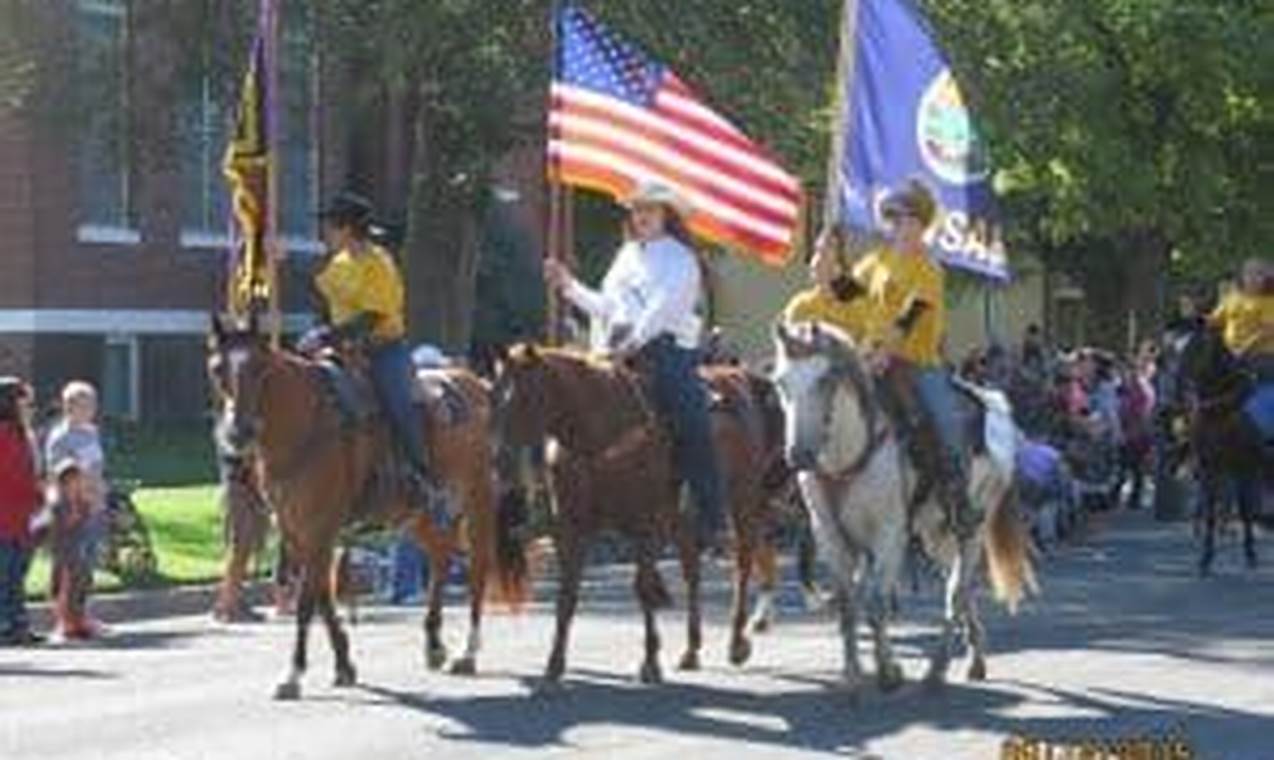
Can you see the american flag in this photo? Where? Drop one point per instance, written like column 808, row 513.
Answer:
column 618, row 118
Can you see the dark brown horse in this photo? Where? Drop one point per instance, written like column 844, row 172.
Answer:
column 320, row 475
column 611, row 466
column 1226, row 446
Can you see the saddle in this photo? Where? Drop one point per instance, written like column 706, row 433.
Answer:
column 441, row 399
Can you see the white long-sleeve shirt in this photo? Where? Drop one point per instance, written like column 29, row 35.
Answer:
column 653, row 288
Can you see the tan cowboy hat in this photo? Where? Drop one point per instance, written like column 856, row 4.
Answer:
column 657, row 193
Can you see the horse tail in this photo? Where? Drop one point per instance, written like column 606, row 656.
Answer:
column 512, row 570
column 1008, row 553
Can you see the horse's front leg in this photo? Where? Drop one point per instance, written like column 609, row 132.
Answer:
column 881, row 584
column 958, row 587
column 846, row 601
column 290, row 687
column 481, row 539
column 652, row 594
column 692, row 573
column 1250, row 496
column 571, row 548
column 745, row 540
column 1210, row 488
column 766, row 564
column 346, row 675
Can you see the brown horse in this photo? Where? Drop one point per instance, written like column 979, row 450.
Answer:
column 317, row 470
column 611, row 466
column 246, row 522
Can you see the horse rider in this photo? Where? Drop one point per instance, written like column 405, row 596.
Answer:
column 1245, row 318
column 835, row 297
column 647, row 307
column 905, row 289
column 363, row 292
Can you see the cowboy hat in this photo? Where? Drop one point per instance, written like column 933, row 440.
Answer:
column 347, row 207
column 656, row 193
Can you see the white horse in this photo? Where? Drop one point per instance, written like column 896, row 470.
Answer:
column 859, row 486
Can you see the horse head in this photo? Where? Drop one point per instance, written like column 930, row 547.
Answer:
column 238, row 357
column 520, row 396
column 825, row 394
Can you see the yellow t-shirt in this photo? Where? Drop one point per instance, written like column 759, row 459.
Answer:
column 1246, row 323
column 366, row 282
column 893, row 281
column 854, row 317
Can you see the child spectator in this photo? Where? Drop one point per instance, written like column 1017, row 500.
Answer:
column 75, row 436
column 19, row 500
column 72, row 549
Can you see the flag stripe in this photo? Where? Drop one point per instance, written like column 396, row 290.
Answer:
column 598, row 157
column 618, row 119
column 569, row 127
column 681, row 135
column 606, row 180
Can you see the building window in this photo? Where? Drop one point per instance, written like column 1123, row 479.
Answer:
column 121, row 387
column 103, row 163
column 207, row 123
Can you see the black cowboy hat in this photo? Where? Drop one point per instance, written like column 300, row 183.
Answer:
column 347, row 207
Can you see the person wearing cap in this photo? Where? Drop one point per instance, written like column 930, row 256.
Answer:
column 648, row 305
column 836, row 298
column 364, row 295
column 20, row 497
column 906, row 289
column 1245, row 317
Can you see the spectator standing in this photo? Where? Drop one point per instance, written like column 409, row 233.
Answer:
column 19, row 500
column 72, row 549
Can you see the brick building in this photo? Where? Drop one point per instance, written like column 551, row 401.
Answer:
column 113, row 210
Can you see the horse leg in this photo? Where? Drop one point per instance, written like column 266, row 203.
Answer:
column 691, row 571
column 847, row 606
column 479, row 566
column 229, row 607
column 976, row 632
column 940, row 660
column 740, row 646
column 883, row 575
column 346, row 675
column 766, row 566
column 1210, row 486
column 652, row 595
column 571, row 549
column 290, row 688
column 1249, row 495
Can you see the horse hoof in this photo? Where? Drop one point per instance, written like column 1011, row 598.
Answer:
column 345, row 677
column 890, row 677
column 650, row 674
column 977, row 670
column 436, row 657
column 288, row 691
column 465, row 666
column 689, row 661
column 740, row 652
column 761, row 625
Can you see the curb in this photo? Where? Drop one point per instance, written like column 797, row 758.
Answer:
column 134, row 606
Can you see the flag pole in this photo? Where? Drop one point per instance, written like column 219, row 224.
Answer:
column 273, row 249
column 846, row 58
column 553, row 240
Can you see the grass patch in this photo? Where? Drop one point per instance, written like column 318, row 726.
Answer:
column 185, row 529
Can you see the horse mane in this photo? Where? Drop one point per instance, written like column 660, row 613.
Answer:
column 589, row 378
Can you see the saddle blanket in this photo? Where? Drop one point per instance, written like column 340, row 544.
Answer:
column 1259, row 408
column 443, row 401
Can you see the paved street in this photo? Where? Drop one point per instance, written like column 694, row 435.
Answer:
column 1123, row 641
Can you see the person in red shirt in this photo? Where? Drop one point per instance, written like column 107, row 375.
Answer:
column 20, row 497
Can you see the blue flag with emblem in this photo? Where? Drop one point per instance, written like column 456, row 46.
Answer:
column 904, row 117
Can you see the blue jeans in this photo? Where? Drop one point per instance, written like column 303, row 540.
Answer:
column 392, row 374
column 937, row 394
column 15, row 559
column 682, row 399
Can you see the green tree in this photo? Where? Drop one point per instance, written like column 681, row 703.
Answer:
column 1133, row 136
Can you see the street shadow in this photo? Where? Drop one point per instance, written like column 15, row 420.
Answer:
column 125, row 640
column 25, row 670
column 813, row 717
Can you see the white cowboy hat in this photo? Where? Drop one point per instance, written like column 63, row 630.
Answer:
column 652, row 193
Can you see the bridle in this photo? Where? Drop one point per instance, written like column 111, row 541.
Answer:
column 848, row 374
